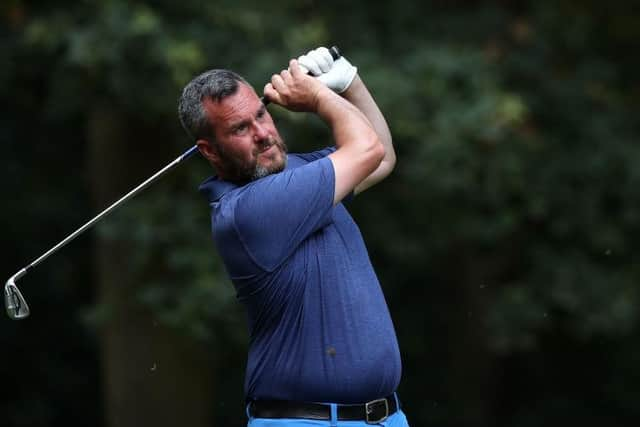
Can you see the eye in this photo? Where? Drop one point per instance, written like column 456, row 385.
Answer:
column 240, row 129
column 261, row 113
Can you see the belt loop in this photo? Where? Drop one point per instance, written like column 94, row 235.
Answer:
column 334, row 415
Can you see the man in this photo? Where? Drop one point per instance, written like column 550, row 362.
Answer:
column 323, row 350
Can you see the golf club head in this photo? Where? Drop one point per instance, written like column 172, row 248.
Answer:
column 15, row 304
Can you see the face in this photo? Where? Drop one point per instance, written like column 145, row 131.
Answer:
column 248, row 145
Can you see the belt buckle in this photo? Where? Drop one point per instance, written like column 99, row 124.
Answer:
column 370, row 407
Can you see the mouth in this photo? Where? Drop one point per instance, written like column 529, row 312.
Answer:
column 266, row 147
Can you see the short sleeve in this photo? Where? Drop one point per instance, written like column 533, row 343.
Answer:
column 316, row 155
column 277, row 213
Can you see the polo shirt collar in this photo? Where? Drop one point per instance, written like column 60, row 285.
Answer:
column 214, row 188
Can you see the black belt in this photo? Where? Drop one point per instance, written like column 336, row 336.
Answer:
column 372, row 412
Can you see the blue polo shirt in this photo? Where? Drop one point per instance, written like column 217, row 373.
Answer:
column 319, row 326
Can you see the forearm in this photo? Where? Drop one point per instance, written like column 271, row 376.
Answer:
column 359, row 96
column 359, row 150
column 349, row 124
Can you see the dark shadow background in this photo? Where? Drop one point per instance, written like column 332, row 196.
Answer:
column 506, row 239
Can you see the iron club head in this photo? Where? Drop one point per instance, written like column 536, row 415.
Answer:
column 15, row 303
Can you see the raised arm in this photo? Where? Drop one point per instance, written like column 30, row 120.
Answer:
column 340, row 76
column 359, row 150
column 358, row 94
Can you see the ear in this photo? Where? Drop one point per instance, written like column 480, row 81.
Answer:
column 208, row 151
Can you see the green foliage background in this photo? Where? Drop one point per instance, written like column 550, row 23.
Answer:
column 505, row 240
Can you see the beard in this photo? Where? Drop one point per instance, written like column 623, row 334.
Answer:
column 239, row 170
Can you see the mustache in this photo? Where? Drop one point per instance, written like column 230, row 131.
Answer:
column 266, row 143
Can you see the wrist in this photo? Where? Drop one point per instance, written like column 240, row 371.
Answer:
column 353, row 89
column 323, row 99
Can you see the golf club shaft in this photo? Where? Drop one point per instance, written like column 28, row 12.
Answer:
column 15, row 304
column 108, row 210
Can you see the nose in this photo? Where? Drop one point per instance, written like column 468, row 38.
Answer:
column 260, row 132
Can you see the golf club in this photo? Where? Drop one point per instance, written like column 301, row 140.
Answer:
column 15, row 303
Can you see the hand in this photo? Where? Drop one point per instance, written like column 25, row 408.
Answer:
column 337, row 75
column 294, row 89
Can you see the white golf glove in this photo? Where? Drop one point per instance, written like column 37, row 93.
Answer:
column 336, row 75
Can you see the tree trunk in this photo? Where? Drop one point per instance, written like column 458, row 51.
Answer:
column 152, row 376
column 474, row 377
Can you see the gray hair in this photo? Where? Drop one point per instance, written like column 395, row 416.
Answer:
column 214, row 85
